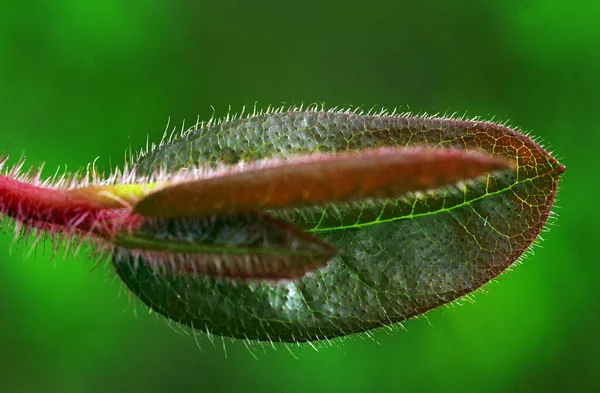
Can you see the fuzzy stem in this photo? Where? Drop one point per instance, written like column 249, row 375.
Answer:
column 97, row 210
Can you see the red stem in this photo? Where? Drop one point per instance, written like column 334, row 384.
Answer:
column 44, row 207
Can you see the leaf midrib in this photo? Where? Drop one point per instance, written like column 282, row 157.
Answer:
column 316, row 229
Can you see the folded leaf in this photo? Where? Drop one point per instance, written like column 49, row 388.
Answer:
column 319, row 179
column 234, row 246
column 399, row 256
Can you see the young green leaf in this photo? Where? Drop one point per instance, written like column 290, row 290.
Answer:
column 400, row 255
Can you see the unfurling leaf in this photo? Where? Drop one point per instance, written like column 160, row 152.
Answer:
column 305, row 225
column 319, row 179
column 235, row 245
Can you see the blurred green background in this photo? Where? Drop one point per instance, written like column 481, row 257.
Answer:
column 85, row 79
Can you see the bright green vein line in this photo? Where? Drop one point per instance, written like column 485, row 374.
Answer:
column 412, row 216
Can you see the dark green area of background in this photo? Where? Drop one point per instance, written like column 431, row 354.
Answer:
column 86, row 79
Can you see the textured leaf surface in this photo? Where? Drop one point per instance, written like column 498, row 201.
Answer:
column 401, row 257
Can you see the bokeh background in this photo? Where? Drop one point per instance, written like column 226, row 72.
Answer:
column 86, row 79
